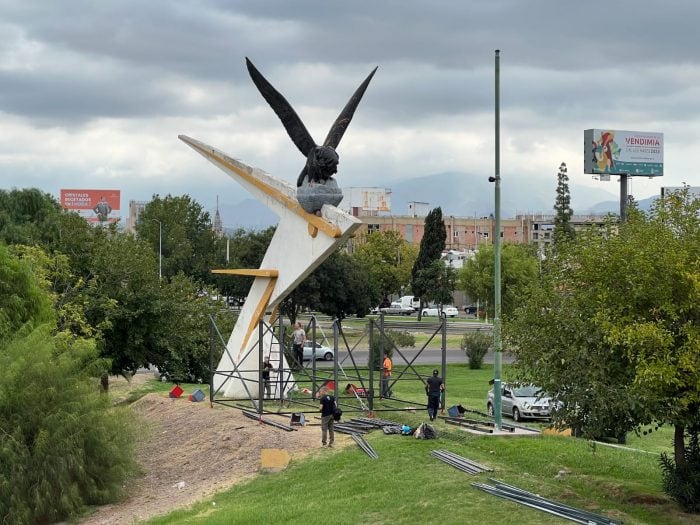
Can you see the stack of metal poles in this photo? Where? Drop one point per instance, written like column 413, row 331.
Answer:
column 375, row 422
column 258, row 417
column 353, row 427
column 458, row 462
column 529, row 499
column 365, row 446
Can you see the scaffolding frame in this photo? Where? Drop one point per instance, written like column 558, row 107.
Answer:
column 295, row 399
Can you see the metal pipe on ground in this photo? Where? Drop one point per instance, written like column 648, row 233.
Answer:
column 366, row 447
column 462, row 459
column 561, row 507
column 459, row 462
column 529, row 499
column 257, row 417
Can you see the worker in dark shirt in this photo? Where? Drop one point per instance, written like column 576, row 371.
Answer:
column 327, row 408
column 267, row 367
column 433, row 388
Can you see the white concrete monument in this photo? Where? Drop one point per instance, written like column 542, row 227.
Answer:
column 300, row 244
column 309, row 230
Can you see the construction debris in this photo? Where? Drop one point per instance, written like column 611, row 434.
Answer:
column 459, row 462
column 529, row 499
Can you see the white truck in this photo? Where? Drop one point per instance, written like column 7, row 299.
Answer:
column 410, row 301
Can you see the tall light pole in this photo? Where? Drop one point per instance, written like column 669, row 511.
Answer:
column 160, row 249
column 497, row 257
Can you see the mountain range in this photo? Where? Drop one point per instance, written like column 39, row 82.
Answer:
column 459, row 194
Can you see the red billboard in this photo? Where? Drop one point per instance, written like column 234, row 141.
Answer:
column 96, row 206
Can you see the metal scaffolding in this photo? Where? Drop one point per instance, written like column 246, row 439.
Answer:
column 365, row 377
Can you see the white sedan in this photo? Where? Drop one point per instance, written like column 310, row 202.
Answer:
column 447, row 311
column 321, row 352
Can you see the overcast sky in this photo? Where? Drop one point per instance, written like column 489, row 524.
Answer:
column 94, row 94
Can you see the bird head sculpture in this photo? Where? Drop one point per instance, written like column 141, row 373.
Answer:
column 321, row 161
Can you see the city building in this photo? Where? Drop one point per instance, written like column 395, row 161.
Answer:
column 135, row 210
column 465, row 234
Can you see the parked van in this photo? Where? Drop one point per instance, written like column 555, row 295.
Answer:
column 410, row 301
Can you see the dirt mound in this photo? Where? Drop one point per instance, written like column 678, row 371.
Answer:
column 189, row 451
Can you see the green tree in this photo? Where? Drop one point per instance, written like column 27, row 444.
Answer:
column 388, row 261
column 23, row 304
column 28, row 216
column 614, row 332
column 181, row 337
column 124, row 299
column 54, row 275
column 339, row 287
column 563, row 230
column 62, row 445
column 343, row 286
column 187, row 241
column 247, row 249
column 519, row 271
column 432, row 245
column 440, row 282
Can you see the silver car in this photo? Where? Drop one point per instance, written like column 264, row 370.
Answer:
column 321, row 352
column 521, row 402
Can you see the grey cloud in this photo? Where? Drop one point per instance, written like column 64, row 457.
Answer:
column 433, row 58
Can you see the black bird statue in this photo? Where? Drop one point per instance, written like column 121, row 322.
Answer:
column 321, row 161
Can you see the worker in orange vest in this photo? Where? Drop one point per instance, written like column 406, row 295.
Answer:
column 386, row 375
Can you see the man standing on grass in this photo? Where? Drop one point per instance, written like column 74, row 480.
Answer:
column 327, row 408
column 386, row 376
column 298, row 340
column 433, row 389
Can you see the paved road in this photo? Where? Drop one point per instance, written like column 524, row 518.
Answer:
column 427, row 357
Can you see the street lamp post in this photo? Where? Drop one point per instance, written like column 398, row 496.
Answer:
column 160, row 249
column 497, row 259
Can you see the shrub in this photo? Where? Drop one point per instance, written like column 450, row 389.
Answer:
column 476, row 345
column 23, row 305
column 62, row 445
column 682, row 482
column 399, row 338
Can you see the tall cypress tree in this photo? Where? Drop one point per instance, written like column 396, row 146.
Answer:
column 431, row 247
column 562, row 220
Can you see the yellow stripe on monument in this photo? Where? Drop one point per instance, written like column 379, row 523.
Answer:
column 259, row 312
column 252, row 273
column 329, row 229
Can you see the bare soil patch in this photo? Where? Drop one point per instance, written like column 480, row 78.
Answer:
column 189, row 451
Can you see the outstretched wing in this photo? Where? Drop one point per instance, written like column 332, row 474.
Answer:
column 341, row 123
column 291, row 121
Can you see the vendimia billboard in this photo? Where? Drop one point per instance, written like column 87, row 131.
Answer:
column 616, row 152
column 96, row 206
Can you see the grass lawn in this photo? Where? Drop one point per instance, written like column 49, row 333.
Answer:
column 407, row 485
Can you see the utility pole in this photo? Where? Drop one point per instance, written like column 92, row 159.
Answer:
column 496, row 179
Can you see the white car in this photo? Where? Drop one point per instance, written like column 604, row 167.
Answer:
column 447, row 311
column 322, row 352
column 520, row 402
column 397, row 308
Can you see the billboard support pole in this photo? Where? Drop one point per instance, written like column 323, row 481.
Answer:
column 623, row 197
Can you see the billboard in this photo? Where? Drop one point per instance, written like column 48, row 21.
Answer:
column 616, row 152
column 370, row 199
column 95, row 206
